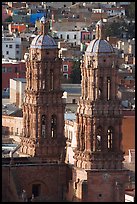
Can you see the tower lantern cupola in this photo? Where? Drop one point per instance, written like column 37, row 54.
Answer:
column 44, row 25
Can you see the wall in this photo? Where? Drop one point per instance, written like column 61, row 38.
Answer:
column 13, row 91
column 6, row 42
column 128, row 131
column 19, row 27
column 50, row 177
column 69, row 63
column 71, row 36
column 70, row 132
column 15, row 125
column 17, row 92
column 106, row 186
column 17, row 70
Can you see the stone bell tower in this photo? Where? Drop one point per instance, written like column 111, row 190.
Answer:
column 98, row 175
column 43, row 109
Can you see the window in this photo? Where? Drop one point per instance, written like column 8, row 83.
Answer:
column 6, row 45
column 94, row 37
column 61, row 36
column 98, row 138
column 11, row 131
column 36, row 189
column 51, row 80
column 17, row 46
column 16, row 69
column 108, row 88
column 53, row 126
column 67, row 37
column 4, row 69
column 7, row 52
column 17, row 130
column 109, row 136
column 9, row 69
column 43, row 128
column 43, row 84
column 65, row 68
column 73, row 101
column 100, row 87
column 10, row 46
column 75, row 36
column 65, row 76
column 17, row 52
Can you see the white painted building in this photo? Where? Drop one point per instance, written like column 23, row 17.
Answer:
column 70, row 134
column 17, row 88
column 70, row 36
column 97, row 10
column 130, row 196
column 114, row 11
column 11, row 47
column 127, row 46
column 71, row 93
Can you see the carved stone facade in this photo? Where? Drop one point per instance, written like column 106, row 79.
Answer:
column 43, row 109
column 99, row 120
column 97, row 174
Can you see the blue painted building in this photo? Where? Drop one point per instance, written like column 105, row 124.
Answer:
column 36, row 16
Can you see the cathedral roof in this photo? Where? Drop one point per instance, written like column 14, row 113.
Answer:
column 99, row 46
column 43, row 41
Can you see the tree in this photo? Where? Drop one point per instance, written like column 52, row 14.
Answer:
column 130, row 11
column 75, row 76
column 117, row 28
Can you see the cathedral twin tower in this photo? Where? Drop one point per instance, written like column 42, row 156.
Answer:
column 43, row 109
column 97, row 174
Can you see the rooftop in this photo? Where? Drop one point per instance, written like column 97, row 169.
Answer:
column 23, row 80
column 70, row 116
column 11, row 61
column 10, row 109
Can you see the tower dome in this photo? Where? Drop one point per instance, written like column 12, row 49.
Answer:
column 99, row 44
column 44, row 40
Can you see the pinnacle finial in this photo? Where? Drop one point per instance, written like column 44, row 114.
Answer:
column 44, row 25
column 100, row 29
